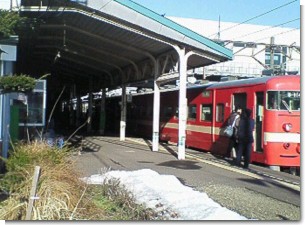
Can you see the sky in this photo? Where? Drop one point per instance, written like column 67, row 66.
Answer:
column 154, row 189
column 236, row 11
column 230, row 11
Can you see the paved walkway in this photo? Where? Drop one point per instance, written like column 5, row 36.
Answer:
column 201, row 171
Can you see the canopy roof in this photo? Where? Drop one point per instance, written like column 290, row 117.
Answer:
column 110, row 41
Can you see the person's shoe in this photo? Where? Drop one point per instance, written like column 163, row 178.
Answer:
column 246, row 167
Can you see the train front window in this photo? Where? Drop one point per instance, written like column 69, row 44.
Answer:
column 283, row 100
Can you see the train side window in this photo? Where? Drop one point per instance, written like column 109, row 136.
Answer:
column 168, row 112
column 220, row 112
column 192, row 112
column 206, row 113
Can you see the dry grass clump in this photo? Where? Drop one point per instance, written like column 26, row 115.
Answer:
column 62, row 195
column 59, row 188
column 120, row 204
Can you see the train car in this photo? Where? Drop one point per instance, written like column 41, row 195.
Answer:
column 275, row 102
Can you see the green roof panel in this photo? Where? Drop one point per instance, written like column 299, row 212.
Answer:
column 177, row 27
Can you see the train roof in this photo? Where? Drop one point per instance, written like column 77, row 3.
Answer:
column 176, row 88
column 234, row 83
column 248, row 82
column 224, row 84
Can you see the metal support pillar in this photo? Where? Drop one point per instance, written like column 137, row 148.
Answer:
column 182, row 104
column 183, row 57
column 71, row 115
column 123, row 114
column 103, row 113
column 6, row 68
column 156, row 109
column 7, row 61
column 1, row 103
column 78, row 110
column 90, row 102
column 272, row 55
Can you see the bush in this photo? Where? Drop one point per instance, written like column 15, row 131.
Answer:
column 17, row 83
column 9, row 23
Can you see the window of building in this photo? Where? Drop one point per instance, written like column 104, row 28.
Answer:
column 206, row 113
column 220, row 112
column 192, row 112
column 279, row 57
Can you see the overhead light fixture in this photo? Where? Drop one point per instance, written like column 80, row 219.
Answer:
column 57, row 56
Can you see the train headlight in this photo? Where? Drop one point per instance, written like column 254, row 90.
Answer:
column 287, row 127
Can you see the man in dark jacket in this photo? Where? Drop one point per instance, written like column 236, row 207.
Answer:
column 245, row 138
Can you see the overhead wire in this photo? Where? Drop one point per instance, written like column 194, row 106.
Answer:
column 255, row 17
column 267, row 28
column 284, row 32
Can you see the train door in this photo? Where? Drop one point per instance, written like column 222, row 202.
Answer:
column 258, row 117
column 239, row 99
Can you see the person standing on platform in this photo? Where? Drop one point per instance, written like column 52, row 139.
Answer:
column 245, row 138
column 235, row 116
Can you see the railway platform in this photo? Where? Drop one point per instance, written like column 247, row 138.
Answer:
column 277, row 194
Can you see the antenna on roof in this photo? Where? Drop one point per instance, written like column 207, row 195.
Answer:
column 218, row 33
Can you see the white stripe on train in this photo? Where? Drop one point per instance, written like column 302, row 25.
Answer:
column 268, row 136
column 282, row 137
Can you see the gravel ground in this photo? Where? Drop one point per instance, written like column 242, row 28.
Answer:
column 244, row 201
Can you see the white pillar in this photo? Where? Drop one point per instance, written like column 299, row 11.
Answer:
column 102, row 113
column 123, row 114
column 90, row 102
column 182, row 104
column 156, row 109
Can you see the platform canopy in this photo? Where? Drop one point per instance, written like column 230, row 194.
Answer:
column 114, row 42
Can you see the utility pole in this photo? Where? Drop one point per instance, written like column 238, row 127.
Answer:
column 272, row 55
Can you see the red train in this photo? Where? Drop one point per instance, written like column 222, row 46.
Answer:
column 275, row 102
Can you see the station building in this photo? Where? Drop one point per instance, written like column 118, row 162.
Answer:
column 252, row 46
